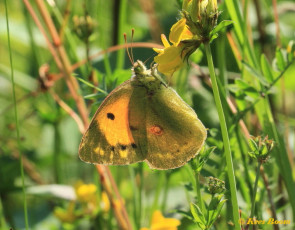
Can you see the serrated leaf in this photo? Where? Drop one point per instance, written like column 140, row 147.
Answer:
column 281, row 64
column 256, row 74
column 266, row 69
column 198, row 215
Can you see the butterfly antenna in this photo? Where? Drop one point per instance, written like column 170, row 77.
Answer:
column 127, row 50
column 149, row 59
column 132, row 36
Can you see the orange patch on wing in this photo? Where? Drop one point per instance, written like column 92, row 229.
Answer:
column 113, row 122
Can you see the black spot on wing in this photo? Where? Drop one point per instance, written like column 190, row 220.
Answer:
column 111, row 116
column 134, row 145
column 123, row 147
column 133, row 128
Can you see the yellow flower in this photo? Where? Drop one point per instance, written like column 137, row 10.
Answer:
column 105, row 202
column 86, row 192
column 67, row 215
column 159, row 222
column 199, row 17
column 172, row 57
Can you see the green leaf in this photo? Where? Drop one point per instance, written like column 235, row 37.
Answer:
column 291, row 50
column 216, row 213
column 256, row 74
column 242, row 84
column 240, row 100
column 249, row 91
column 266, row 69
column 220, row 26
column 91, row 85
column 198, row 215
column 212, row 207
column 204, row 156
column 233, row 88
column 185, row 214
column 280, row 60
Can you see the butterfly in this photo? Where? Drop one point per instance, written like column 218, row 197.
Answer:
column 143, row 120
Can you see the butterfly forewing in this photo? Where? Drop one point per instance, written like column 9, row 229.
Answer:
column 108, row 139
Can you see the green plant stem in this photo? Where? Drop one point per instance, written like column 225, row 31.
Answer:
column 135, row 196
column 159, row 187
column 255, row 189
column 230, row 168
column 16, row 122
column 141, row 190
column 165, row 193
column 199, row 194
column 200, row 200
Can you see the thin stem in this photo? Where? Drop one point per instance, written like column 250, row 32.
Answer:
column 140, row 192
column 135, row 196
column 16, row 122
column 270, row 198
column 199, row 194
column 255, row 189
column 200, row 200
column 57, row 153
column 165, row 193
column 160, row 182
column 228, row 156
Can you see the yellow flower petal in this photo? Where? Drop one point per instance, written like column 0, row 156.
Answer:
column 105, row 202
column 66, row 216
column 164, row 41
column 86, row 192
column 176, row 31
column 170, row 60
column 158, row 50
column 159, row 222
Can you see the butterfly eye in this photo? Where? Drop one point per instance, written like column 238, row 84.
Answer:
column 139, row 67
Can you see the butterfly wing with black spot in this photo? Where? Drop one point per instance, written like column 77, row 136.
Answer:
column 109, row 140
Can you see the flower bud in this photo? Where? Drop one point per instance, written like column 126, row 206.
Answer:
column 260, row 147
column 215, row 185
column 201, row 16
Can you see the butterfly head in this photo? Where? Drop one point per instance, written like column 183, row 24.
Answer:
column 139, row 68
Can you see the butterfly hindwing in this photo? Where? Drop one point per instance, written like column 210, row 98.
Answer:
column 108, row 139
column 174, row 133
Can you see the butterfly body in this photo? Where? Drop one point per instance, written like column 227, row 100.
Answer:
column 143, row 120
